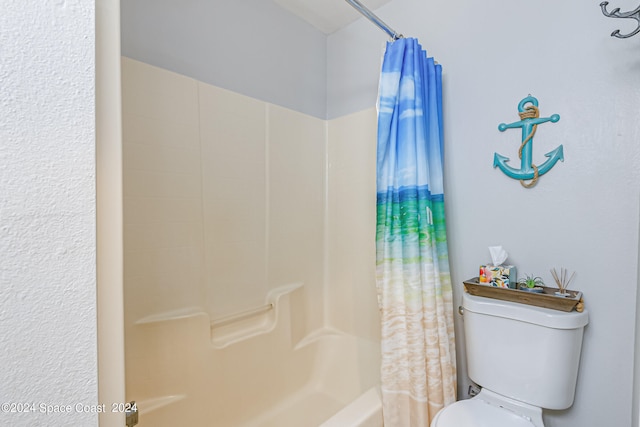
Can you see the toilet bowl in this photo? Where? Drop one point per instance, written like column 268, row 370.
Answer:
column 508, row 348
column 489, row 409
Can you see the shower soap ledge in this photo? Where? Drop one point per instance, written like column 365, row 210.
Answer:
column 171, row 315
column 153, row 404
column 255, row 323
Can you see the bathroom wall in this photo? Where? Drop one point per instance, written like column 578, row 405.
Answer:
column 351, row 282
column 263, row 194
column 47, row 211
column 163, row 242
column 635, row 415
column 583, row 214
column 252, row 47
column 224, row 198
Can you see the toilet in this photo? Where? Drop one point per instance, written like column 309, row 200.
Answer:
column 525, row 358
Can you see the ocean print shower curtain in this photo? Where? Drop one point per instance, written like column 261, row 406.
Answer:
column 413, row 280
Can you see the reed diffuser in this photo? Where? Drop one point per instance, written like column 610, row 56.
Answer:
column 562, row 281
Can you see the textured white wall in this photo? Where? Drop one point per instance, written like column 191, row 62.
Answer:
column 47, row 213
column 583, row 214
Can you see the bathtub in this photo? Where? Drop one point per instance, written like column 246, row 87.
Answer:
column 309, row 409
column 261, row 372
column 364, row 411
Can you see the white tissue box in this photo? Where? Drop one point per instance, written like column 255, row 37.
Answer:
column 501, row 276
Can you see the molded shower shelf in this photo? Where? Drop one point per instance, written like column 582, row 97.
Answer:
column 155, row 403
column 547, row 299
column 242, row 329
column 171, row 315
column 241, row 326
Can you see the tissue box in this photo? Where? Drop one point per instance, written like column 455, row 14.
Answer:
column 501, row 276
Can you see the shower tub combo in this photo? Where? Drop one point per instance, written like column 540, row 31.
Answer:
column 254, row 369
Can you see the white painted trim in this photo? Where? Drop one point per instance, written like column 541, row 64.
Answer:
column 110, row 303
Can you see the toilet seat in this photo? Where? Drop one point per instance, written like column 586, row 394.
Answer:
column 481, row 412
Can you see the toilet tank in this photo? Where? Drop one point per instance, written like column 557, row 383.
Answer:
column 527, row 353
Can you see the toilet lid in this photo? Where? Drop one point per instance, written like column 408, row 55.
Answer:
column 478, row 413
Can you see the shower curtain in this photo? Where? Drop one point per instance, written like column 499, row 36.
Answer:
column 413, row 280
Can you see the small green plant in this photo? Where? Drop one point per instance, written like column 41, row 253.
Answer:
column 530, row 281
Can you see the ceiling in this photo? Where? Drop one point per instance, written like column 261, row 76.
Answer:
column 327, row 15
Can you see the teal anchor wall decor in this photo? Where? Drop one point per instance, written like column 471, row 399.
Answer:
column 529, row 121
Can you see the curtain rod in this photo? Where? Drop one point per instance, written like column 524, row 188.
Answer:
column 373, row 18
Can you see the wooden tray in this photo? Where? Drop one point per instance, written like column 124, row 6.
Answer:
column 547, row 299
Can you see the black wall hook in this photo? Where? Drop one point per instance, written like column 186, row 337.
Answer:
column 615, row 13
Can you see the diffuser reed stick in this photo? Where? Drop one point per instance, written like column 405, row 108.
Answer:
column 561, row 280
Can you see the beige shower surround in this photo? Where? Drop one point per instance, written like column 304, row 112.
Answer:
column 232, row 203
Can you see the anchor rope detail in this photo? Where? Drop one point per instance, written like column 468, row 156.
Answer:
column 530, row 112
